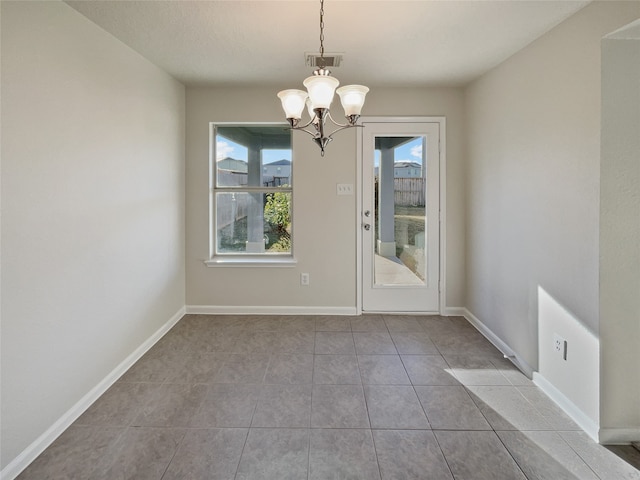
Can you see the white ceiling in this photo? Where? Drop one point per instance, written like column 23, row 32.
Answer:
column 385, row 42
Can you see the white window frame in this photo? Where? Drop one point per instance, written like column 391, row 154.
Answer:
column 243, row 259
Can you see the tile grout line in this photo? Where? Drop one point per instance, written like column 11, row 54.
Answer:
column 375, row 450
column 443, row 455
column 584, row 460
column 309, row 449
column 515, row 460
column 244, row 445
column 174, row 453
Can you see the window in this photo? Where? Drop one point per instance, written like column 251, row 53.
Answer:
column 251, row 194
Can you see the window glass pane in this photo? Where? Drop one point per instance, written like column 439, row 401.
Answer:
column 254, row 156
column 253, row 222
column 276, row 168
column 232, row 172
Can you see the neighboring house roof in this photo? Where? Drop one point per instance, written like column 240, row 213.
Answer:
column 406, row 164
column 279, row 162
column 233, row 165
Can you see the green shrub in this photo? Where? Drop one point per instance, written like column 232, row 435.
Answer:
column 277, row 211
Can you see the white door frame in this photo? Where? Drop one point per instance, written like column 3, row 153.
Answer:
column 441, row 121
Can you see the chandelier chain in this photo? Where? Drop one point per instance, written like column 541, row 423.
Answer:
column 322, row 30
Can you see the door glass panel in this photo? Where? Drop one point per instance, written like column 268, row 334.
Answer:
column 399, row 210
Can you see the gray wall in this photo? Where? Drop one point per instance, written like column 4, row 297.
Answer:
column 620, row 237
column 324, row 224
column 533, row 175
column 92, row 211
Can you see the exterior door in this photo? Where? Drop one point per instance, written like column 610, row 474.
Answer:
column 400, row 217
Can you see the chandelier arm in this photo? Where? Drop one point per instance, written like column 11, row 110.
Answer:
column 337, row 124
column 343, row 127
column 303, row 129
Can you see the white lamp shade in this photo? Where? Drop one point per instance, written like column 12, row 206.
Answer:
column 293, row 102
column 321, row 89
column 352, row 98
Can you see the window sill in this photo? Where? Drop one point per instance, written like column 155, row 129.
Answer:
column 251, row 261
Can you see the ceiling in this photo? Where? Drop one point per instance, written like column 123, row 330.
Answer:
column 385, row 42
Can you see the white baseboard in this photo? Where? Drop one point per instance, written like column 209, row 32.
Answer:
column 270, row 310
column 619, row 436
column 577, row 415
column 498, row 343
column 399, row 312
column 29, row 454
column 454, row 311
column 570, row 408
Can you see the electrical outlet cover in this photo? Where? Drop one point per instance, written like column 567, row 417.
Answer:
column 558, row 343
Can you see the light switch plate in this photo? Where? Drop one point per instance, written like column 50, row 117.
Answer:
column 344, row 189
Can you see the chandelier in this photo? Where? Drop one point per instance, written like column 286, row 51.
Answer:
column 321, row 87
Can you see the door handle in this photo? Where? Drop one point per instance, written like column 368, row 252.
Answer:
column 366, row 226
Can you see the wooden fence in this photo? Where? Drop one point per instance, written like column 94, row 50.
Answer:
column 409, row 191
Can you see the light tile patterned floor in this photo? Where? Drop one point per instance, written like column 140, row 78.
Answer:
column 319, row 398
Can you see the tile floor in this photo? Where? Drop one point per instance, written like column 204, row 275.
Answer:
column 319, row 398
